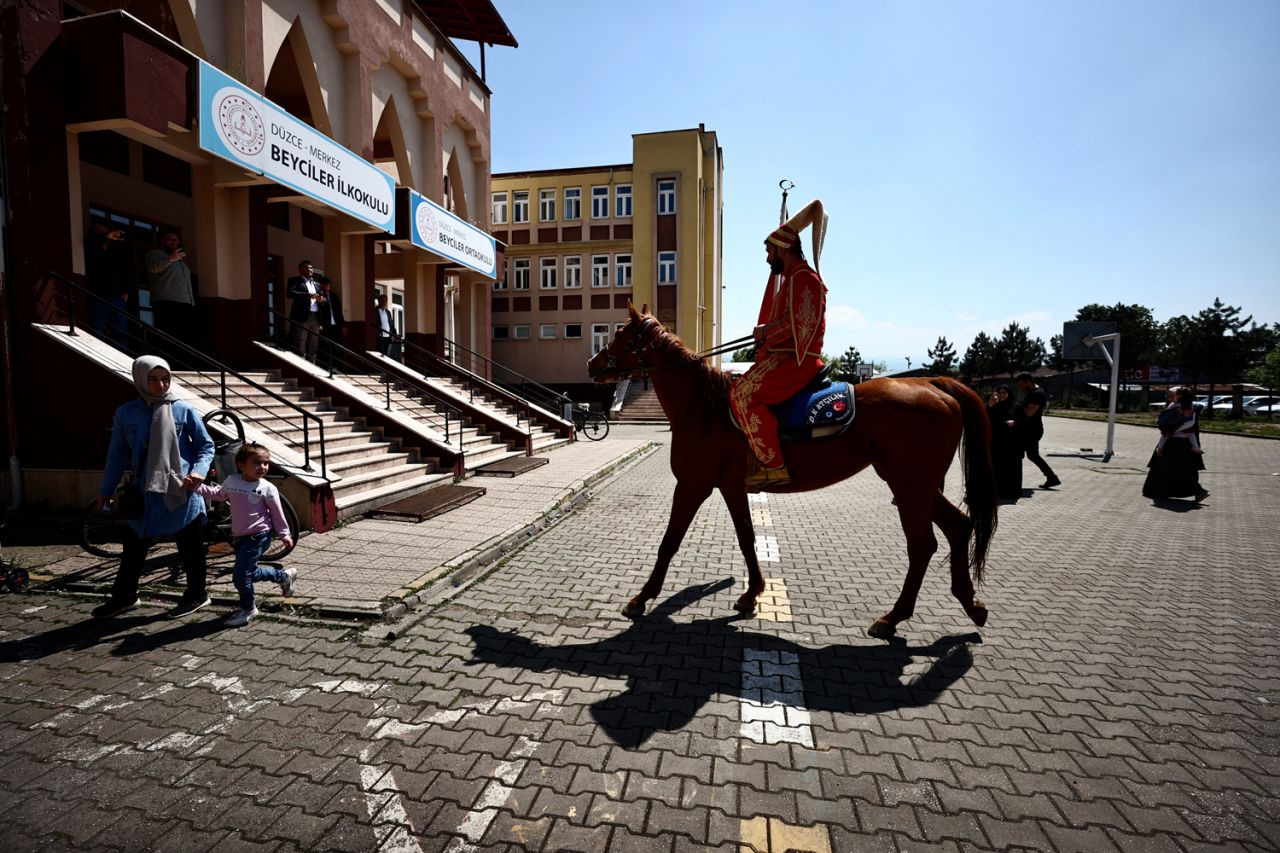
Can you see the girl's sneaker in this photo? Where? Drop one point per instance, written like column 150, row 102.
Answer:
column 286, row 585
column 240, row 618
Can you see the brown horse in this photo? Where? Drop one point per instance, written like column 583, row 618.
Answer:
column 908, row 430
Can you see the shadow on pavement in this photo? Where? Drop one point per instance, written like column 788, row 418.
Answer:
column 673, row 669
column 128, row 631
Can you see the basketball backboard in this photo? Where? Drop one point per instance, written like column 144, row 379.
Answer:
column 1074, row 333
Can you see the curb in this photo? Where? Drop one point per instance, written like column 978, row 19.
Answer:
column 459, row 577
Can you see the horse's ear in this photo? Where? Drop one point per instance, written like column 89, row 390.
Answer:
column 631, row 309
column 644, row 308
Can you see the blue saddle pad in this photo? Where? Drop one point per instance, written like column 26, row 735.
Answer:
column 816, row 412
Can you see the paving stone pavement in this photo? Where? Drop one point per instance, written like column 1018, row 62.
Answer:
column 1122, row 697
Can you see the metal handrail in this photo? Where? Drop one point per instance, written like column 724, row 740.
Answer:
column 361, row 360
column 547, row 399
column 173, row 344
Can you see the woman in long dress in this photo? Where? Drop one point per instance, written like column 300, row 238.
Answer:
column 1176, row 462
column 1006, row 442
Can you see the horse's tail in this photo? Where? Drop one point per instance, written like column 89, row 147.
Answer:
column 980, row 495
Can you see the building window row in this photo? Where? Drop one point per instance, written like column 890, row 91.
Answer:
column 546, row 331
column 572, row 209
column 601, row 333
column 605, row 271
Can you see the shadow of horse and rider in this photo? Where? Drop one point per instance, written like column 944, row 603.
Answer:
column 673, row 669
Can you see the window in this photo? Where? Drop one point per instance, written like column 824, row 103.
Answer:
column 547, row 273
column 599, row 202
column 666, row 197
column 547, row 331
column 666, row 268
column 622, row 266
column 573, row 330
column 573, row 272
column 599, row 337
column 520, row 278
column 501, row 284
column 520, row 206
column 499, row 208
column 500, row 333
column 520, row 333
column 573, row 203
column 546, row 205
column 599, row 270
column 622, row 200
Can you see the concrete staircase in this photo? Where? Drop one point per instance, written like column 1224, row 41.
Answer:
column 541, row 437
column 366, row 470
column 640, row 406
column 479, row 448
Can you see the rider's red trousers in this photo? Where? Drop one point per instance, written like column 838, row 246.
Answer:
column 774, row 378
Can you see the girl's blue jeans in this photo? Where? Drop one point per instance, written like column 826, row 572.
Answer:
column 248, row 550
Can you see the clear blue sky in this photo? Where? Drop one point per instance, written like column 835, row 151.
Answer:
column 981, row 162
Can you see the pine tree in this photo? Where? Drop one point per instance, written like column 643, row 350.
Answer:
column 942, row 358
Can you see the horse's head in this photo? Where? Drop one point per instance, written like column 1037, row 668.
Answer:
column 626, row 353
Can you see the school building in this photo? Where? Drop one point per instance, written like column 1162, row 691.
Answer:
column 350, row 133
column 582, row 241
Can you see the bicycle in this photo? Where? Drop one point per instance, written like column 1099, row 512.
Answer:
column 102, row 534
column 595, row 425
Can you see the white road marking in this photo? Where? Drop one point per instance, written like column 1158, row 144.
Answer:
column 772, row 699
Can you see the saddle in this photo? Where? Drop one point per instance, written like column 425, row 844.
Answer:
column 822, row 409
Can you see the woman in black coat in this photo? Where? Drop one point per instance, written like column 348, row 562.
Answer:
column 1176, row 463
column 1006, row 442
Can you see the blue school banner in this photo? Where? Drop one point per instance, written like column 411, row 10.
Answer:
column 441, row 232
column 239, row 125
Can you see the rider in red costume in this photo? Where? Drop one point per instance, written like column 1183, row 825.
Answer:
column 788, row 337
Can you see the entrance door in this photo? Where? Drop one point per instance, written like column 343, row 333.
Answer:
column 276, row 326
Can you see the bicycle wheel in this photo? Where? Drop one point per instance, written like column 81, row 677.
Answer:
column 100, row 534
column 277, row 550
column 597, row 426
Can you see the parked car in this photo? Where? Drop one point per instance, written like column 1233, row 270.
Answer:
column 1265, row 406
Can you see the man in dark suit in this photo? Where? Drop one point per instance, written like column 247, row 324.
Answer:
column 306, row 298
column 384, row 323
column 333, row 325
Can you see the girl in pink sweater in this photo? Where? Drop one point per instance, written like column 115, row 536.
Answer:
column 255, row 513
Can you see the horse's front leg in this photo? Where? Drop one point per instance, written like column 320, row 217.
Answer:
column 740, row 512
column 684, row 506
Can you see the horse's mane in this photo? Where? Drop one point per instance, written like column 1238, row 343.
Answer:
column 714, row 382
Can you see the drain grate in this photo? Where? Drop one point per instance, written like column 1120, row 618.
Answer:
column 513, row 467
column 418, row 508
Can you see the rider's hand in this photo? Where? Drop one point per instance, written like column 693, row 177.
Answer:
column 758, row 334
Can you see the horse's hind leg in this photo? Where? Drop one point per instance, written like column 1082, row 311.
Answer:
column 740, row 512
column 684, row 506
column 958, row 529
column 915, row 511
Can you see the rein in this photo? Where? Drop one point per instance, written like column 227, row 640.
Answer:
column 639, row 347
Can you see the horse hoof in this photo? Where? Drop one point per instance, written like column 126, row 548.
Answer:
column 634, row 609
column 978, row 613
column 746, row 605
column 881, row 630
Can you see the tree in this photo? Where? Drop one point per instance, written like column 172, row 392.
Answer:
column 1055, row 353
column 744, row 354
column 845, row 366
column 980, row 358
column 942, row 358
column 1266, row 374
column 1017, row 350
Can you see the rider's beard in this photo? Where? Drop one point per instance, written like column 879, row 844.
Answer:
column 777, row 265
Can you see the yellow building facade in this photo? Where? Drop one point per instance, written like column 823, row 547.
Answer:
column 583, row 241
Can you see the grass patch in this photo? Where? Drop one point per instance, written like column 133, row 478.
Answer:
column 1247, row 425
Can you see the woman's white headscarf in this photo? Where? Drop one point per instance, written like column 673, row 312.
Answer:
column 163, row 472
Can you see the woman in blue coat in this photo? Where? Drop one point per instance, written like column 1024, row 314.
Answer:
column 165, row 442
